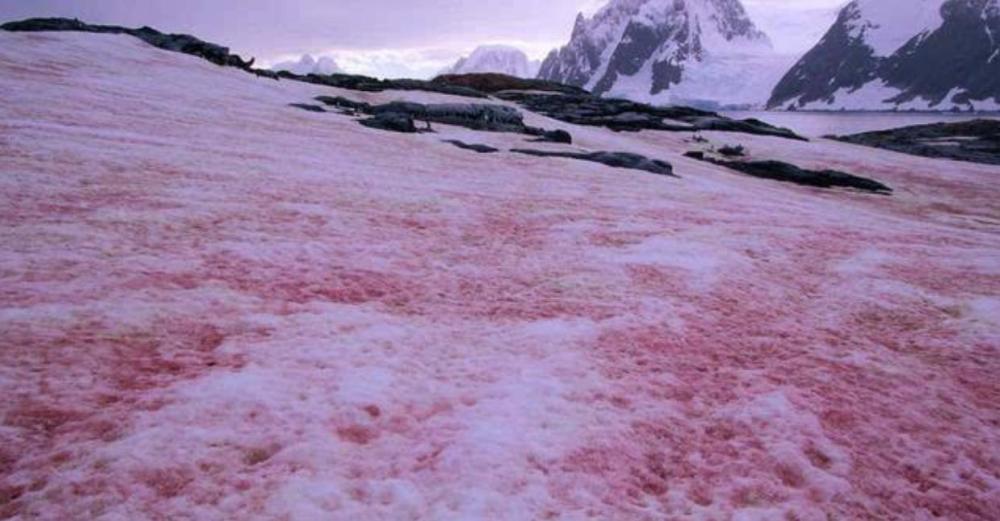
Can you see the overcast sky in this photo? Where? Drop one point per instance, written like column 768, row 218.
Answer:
column 391, row 37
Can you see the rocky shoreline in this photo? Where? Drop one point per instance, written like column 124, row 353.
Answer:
column 976, row 141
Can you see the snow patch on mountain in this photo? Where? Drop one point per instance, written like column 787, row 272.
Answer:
column 502, row 59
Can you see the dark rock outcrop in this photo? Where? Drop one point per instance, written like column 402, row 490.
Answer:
column 485, row 117
column 550, row 136
column 492, row 83
column 612, row 159
column 481, row 117
column 976, row 141
column 368, row 84
column 475, row 147
column 789, row 173
column 345, row 104
column 307, row 107
column 628, row 116
column 391, row 121
column 182, row 43
column 732, row 150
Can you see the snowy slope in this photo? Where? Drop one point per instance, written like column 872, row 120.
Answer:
column 901, row 55
column 702, row 52
column 307, row 64
column 502, row 59
column 217, row 306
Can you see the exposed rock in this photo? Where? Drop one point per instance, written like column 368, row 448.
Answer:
column 494, row 118
column 550, row 136
column 786, row 172
column 391, row 121
column 182, row 43
column 976, row 141
column 344, row 103
column 732, row 151
column 612, row 159
column 628, row 116
column 307, row 107
column 492, row 83
column 369, row 84
column 264, row 73
column 475, row 147
column 482, row 117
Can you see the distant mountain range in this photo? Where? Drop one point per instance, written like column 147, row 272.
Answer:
column 901, row 54
column 877, row 55
column 309, row 65
column 710, row 54
column 501, row 59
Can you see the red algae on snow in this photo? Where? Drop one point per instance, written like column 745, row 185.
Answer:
column 216, row 307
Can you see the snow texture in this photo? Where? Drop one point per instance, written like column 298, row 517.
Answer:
column 216, row 306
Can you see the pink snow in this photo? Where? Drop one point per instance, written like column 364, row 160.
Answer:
column 216, row 306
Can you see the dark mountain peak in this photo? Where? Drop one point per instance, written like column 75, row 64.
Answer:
column 940, row 55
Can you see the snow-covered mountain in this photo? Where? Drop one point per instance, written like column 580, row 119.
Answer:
column 502, row 59
column 901, row 54
column 309, row 65
column 670, row 51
